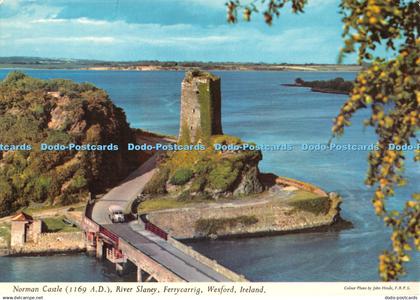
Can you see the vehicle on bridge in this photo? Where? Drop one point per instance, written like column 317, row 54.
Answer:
column 116, row 214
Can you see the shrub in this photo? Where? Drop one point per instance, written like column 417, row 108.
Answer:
column 157, row 185
column 223, row 175
column 334, row 84
column 316, row 206
column 78, row 182
column 57, row 224
column 14, row 76
column 185, row 196
column 198, row 184
column 41, row 186
column 213, row 226
column 299, row 80
column 181, row 176
column 226, row 140
column 6, row 195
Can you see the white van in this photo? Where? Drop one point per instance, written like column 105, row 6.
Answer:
column 116, row 214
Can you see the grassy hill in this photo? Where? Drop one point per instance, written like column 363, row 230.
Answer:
column 34, row 111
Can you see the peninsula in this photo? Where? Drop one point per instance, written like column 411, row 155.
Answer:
column 213, row 193
column 334, row 86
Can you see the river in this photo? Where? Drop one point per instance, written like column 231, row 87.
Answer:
column 256, row 108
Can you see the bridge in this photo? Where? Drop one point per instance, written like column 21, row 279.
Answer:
column 155, row 254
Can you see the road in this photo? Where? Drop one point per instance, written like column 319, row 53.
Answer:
column 125, row 193
column 160, row 250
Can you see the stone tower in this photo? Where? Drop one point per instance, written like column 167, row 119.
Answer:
column 201, row 115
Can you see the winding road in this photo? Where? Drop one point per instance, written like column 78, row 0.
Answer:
column 134, row 233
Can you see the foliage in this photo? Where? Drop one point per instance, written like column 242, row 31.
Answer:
column 197, row 72
column 181, row 176
column 213, row 226
column 82, row 114
column 317, row 206
column 210, row 170
column 5, row 233
column 78, row 182
column 226, row 140
column 198, row 184
column 272, row 8
column 389, row 87
column 157, row 185
column 223, row 175
column 6, row 196
column 57, row 224
column 161, row 203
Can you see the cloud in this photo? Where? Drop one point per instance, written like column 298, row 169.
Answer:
column 214, row 4
column 65, row 40
column 86, row 21
column 42, row 30
column 9, row 3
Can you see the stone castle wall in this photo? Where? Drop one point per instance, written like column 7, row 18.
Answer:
column 190, row 111
column 216, row 112
column 200, row 107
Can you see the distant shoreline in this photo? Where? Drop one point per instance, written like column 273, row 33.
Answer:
column 38, row 63
column 283, row 69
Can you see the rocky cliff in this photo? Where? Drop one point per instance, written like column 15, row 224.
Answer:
column 59, row 112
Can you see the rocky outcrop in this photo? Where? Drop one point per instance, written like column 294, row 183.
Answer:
column 249, row 181
column 207, row 174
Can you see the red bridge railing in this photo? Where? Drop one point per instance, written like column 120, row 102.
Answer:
column 112, row 236
column 156, row 230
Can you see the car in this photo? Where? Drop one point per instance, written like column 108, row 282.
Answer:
column 116, row 214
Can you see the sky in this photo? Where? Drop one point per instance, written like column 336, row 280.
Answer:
column 166, row 30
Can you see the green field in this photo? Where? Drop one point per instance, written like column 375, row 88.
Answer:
column 162, row 203
column 57, row 224
column 303, row 200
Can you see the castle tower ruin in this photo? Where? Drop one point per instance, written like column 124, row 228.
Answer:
column 201, row 115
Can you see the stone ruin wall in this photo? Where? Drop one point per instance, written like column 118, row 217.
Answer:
column 190, row 111
column 200, row 115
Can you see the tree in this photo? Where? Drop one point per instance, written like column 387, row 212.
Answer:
column 299, row 80
column 388, row 85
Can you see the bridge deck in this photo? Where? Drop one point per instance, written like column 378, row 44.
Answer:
column 179, row 263
column 167, row 255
